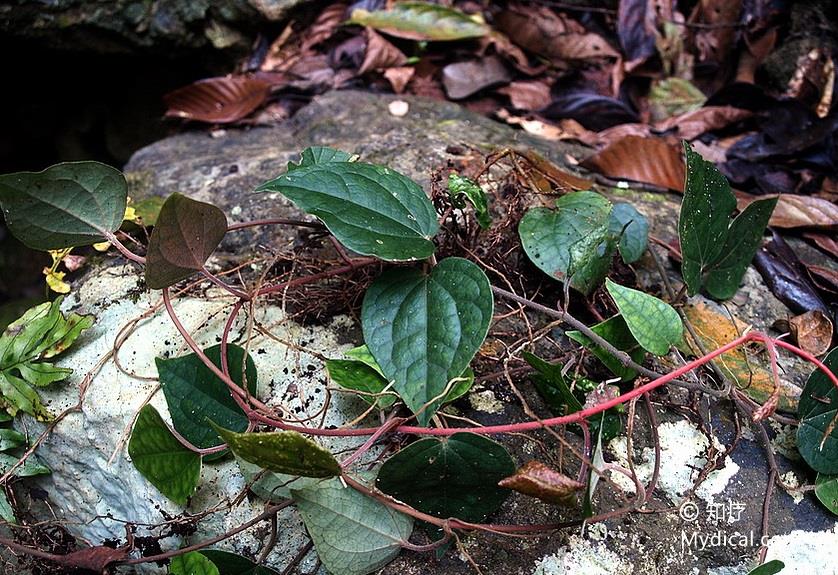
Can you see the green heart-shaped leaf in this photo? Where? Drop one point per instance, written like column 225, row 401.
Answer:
column 234, row 564
column 195, row 395
column 826, row 490
column 172, row 468
column 817, row 434
column 654, row 323
column 421, row 21
column 451, row 477
column 371, row 209
column 71, row 204
column 615, row 331
column 631, row 227
column 186, row 234
column 423, row 330
column 282, row 452
column 571, row 241
column 359, row 376
column 352, row 533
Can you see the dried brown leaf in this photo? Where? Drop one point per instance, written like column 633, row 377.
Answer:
column 504, row 46
column 646, row 160
column 824, row 242
column 542, row 482
column 527, row 95
column 95, row 559
column 462, row 79
column 399, row 77
column 692, row 124
column 812, row 331
column 716, row 35
column 217, row 100
column 324, row 26
column 825, row 279
column 380, row 53
column 794, row 211
column 560, row 178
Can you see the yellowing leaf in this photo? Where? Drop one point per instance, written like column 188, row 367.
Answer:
column 55, row 281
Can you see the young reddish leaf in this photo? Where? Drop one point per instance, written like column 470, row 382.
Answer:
column 217, row 100
column 647, row 160
column 542, row 482
column 186, row 234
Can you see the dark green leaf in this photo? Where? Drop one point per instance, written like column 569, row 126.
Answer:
column 195, row 395
column 817, row 435
column 449, row 477
column 352, row 533
column 769, row 568
column 571, row 241
column 282, row 452
column 269, row 485
column 652, row 322
column 71, row 204
column 421, row 21
column 460, row 186
column 186, row 234
column 423, row 330
column 40, row 333
column 9, row 439
column 359, row 376
column 826, row 490
column 371, row 209
column 172, row 468
column 615, row 331
column 631, row 227
column 362, row 354
column 31, row 467
column 192, row 563
column 233, row 564
column 550, row 382
column 7, row 514
column 319, row 155
column 743, row 239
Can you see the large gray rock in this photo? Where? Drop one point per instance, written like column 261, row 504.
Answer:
column 94, row 486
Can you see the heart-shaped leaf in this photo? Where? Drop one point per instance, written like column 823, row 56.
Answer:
column 543, row 482
column 359, row 376
column 615, row 331
column 352, row 533
column 715, row 251
column 172, row 468
column 572, row 241
column 826, row 490
column 272, row 486
column 192, row 563
column 421, row 21
column 449, row 477
column 817, row 435
column 234, row 564
column 282, row 452
column 371, row 209
column 186, row 234
column 652, row 322
column 71, row 204
column 631, row 227
column 195, row 395
column 423, row 330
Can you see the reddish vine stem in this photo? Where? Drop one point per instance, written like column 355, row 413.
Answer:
column 274, row 222
column 355, row 264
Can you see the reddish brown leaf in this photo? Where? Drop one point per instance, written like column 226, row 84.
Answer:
column 542, row 482
column 647, row 160
column 504, row 46
column 399, row 77
column 559, row 177
column 527, row 95
column 95, row 559
column 717, row 34
column 825, row 279
column 795, row 211
column 380, row 53
column 615, row 133
column 324, row 27
column 824, row 242
column 692, row 124
column 812, row 331
column 554, row 36
column 217, row 100
column 462, row 79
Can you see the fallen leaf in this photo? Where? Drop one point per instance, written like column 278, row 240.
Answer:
column 786, row 277
column 554, row 36
column 715, row 326
column 824, row 242
column 795, row 211
column 217, row 100
column 812, row 331
column 716, row 34
column 421, row 21
column 637, row 29
column 527, row 95
column 562, row 179
column 504, row 47
column 691, row 125
column 95, row 559
column 824, row 278
column 324, row 26
column 672, row 97
column 380, row 53
column 647, row 160
column 462, row 79
column 594, row 111
column 545, row 483
column 399, row 77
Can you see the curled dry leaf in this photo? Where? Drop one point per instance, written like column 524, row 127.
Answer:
column 786, row 277
column 462, row 79
column 554, row 36
column 824, row 242
column 324, row 26
column 542, row 482
column 826, row 279
column 647, row 160
column 795, row 211
column 504, row 46
column 217, row 100
column 560, row 178
column 399, row 77
column 692, row 124
column 527, row 95
column 812, row 331
column 380, row 53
